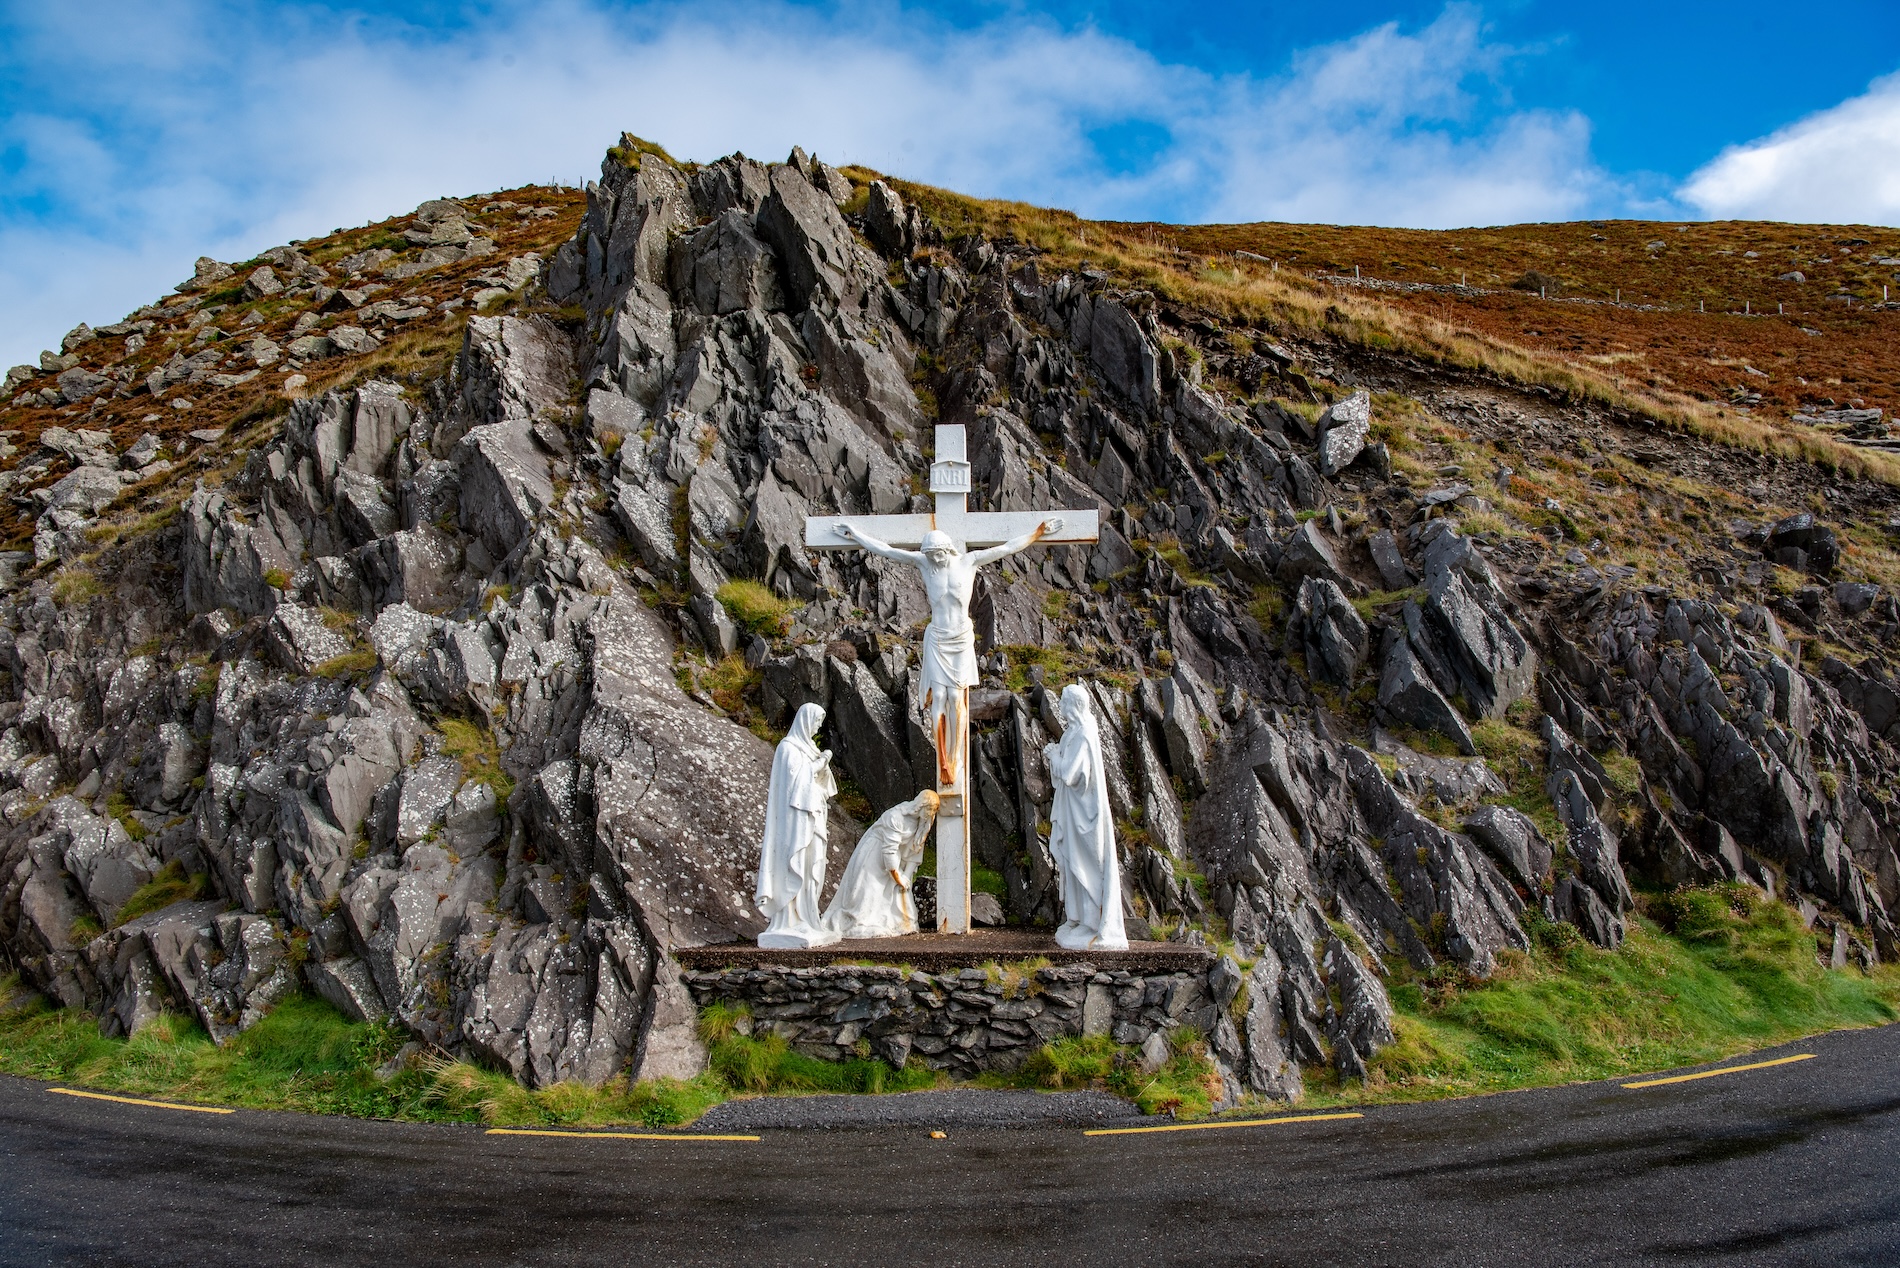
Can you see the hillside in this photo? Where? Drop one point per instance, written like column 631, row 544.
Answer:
column 402, row 617
column 1712, row 309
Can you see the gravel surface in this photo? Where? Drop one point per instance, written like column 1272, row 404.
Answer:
column 962, row 1107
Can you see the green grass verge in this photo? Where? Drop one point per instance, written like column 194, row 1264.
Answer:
column 1707, row 974
column 1719, row 971
column 1184, row 1086
column 306, row 1057
column 765, row 1063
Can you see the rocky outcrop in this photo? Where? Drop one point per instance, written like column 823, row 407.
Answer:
column 439, row 694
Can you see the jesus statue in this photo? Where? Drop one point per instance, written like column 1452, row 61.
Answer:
column 947, row 666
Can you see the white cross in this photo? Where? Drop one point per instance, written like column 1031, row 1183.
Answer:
column 972, row 530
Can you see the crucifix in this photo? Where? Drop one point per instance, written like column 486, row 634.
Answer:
column 947, row 546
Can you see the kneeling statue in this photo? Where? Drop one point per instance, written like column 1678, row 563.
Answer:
column 874, row 897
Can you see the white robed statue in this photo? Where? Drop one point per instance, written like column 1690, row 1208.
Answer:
column 1082, row 833
column 874, row 895
column 946, row 668
column 792, row 857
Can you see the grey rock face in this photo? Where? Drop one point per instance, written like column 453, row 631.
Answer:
column 1121, row 350
column 812, row 239
column 1591, row 842
column 300, row 641
column 887, row 222
column 724, row 268
column 1329, row 633
column 505, row 487
column 513, row 370
column 1467, row 630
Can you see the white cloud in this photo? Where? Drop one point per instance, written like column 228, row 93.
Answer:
column 1837, row 166
column 204, row 128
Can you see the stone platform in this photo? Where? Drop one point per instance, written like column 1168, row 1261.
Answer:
column 936, row 952
column 968, row 1020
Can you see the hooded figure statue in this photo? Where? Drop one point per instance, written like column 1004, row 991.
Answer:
column 792, row 856
column 1082, row 833
column 873, row 898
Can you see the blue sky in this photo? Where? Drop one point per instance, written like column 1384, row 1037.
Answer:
column 136, row 136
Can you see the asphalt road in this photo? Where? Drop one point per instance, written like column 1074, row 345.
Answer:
column 1793, row 1164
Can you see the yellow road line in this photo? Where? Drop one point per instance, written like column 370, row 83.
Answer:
column 133, row 1100
column 1208, row 1127
column 528, row 1131
column 1732, row 1069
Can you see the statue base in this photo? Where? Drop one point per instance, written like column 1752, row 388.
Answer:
column 935, row 952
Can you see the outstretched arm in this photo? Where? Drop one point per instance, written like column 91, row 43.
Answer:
column 1051, row 525
column 877, row 547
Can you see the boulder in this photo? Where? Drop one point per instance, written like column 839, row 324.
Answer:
column 347, row 984
column 1393, row 572
column 1514, row 843
column 79, row 384
column 1804, row 544
column 142, row 452
column 206, row 273
column 262, row 283
column 87, row 490
column 1307, row 553
column 505, row 486
column 1343, row 430
column 1408, row 697
column 300, row 641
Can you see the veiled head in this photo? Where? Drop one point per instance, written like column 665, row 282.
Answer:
column 805, row 725
column 1074, row 705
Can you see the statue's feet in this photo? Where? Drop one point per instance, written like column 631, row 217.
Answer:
column 1074, row 937
column 796, row 939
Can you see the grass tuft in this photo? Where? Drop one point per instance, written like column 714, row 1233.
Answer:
column 170, row 885
column 755, row 609
column 476, row 747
